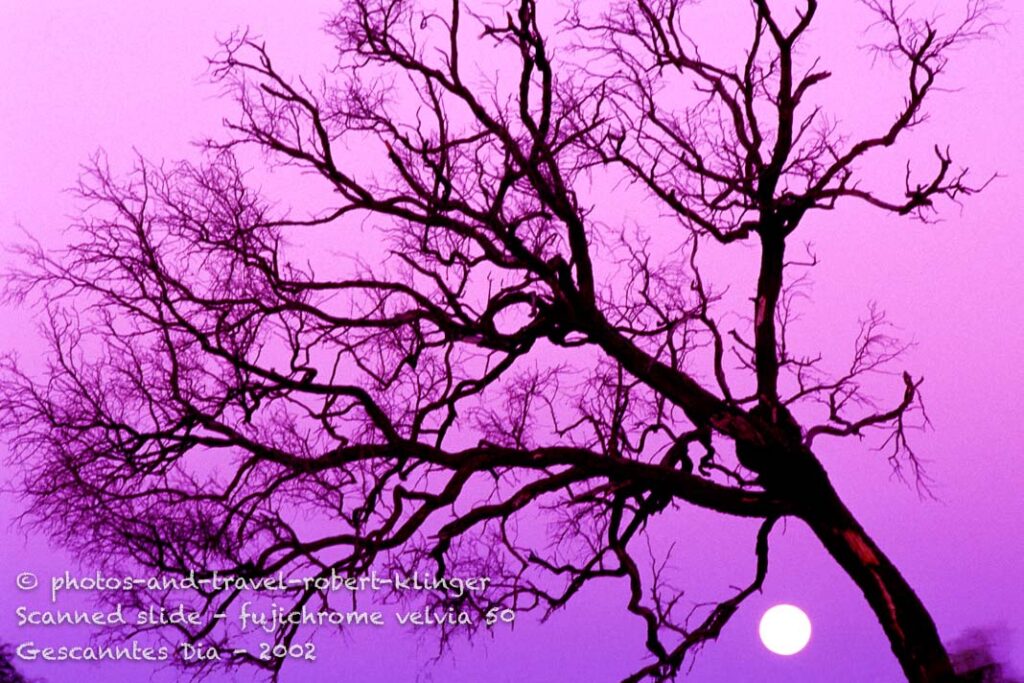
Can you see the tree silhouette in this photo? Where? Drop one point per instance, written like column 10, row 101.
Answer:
column 499, row 382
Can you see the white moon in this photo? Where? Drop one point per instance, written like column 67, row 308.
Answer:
column 785, row 629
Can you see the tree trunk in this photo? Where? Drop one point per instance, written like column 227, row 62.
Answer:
column 912, row 633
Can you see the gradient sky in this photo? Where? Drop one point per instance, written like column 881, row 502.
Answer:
column 77, row 76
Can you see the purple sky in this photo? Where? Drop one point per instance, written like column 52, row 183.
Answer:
column 77, row 76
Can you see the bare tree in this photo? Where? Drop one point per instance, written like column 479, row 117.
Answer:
column 223, row 394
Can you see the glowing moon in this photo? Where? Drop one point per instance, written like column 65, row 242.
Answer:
column 785, row 629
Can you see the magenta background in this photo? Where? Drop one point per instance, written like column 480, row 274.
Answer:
column 77, row 76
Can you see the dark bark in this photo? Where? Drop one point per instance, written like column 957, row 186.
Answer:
column 769, row 286
column 490, row 265
column 909, row 627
